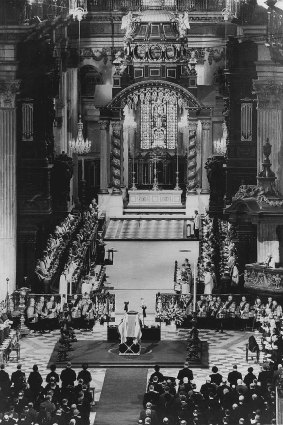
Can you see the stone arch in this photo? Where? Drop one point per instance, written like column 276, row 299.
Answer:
column 90, row 78
column 126, row 96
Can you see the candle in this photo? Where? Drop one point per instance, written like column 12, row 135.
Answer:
column 195, row 287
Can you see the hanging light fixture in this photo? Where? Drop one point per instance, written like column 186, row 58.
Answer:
column 79, row 145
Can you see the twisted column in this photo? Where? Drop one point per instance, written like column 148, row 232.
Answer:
column 104, row 126
column 192, row 159
column 206, row 153
column 116, row 157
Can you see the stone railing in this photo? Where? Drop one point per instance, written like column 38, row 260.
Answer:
column 261, row 278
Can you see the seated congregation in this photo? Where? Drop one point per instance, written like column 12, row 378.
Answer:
column 221, row 400
column 63, row 399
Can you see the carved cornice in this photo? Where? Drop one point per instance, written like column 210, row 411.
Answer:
column 8, row 91
column 269, row 93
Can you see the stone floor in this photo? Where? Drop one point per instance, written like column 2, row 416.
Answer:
column 225, row 350
column 143, row 268
column 140, row 270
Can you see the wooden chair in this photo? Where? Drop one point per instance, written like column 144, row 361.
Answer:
column 252, row 348
column 15, row 351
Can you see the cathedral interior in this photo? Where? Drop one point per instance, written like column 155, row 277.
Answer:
column 149, row 112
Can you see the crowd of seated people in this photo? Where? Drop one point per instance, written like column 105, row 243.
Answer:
column 63, row 400
column 269, row 322
column 231, row 400
column 222, row 312
column 77, row 252
column 230, row 312
column 46, row 313
column 57, row 242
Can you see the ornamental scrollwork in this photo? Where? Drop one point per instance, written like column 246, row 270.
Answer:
column 215, row 55
column 95, row 54
column 263, row 279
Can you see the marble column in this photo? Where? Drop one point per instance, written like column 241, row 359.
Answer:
column 270, row 124
column 104, row 134
column 192, row 159
column 116, row 157
column 8, row 196
column 206, row 153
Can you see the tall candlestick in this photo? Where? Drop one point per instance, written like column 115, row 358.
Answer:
column 195, row 287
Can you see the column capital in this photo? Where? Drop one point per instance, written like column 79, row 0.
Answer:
column 269, row 93
column 193, row 125
column 8, row 91
column 116, row 125
column 104, row 125
column 206, row 125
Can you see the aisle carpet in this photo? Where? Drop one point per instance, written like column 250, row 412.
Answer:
column 121, row 398
column 106, row 354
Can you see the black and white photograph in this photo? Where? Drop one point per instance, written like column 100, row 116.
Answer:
column 141, row 212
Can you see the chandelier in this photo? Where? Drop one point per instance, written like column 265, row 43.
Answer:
column 80, row 145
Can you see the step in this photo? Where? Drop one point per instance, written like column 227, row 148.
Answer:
column 155, row 211
column 141, row 227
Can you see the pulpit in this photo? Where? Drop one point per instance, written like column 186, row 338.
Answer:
column 130, row 334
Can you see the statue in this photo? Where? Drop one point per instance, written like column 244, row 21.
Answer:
column 183, row 24
column 128, row 25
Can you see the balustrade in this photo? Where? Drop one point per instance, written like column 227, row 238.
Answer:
column 180, row 5
column 20, row 11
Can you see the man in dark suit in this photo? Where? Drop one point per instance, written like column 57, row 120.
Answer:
column 234, row 375
column 185, row 372
column 18, row 378
column 156, row 373
column 151, row 396
column 5, row 382
column 68, row 376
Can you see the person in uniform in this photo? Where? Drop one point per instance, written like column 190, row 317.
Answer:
column 243, row 313
column 257, row 310
column 32, row 316
column 201, row 311
column 52, row 316
column 219, row 314
column 41, row 312
column 196, row 224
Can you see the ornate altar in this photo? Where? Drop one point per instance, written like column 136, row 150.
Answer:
column 152, row 198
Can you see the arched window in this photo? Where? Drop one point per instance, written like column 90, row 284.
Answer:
column 90, row 77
